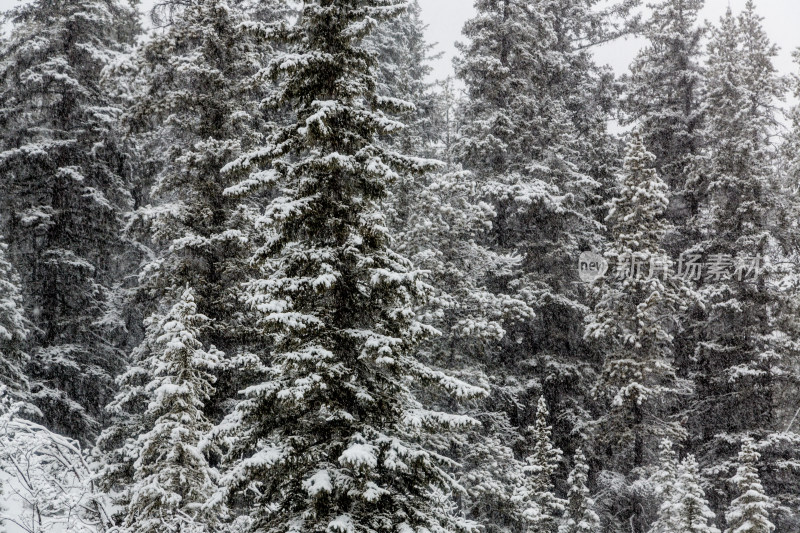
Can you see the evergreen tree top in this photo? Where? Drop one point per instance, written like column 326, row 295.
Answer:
column 749, row 512
column 667, row 472
column 691, row 507
column 544, row 459
column 636, row 215
column 331, row 438
column 580, row 516
column 173, row 486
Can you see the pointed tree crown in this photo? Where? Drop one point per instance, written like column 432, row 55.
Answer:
column 749, row 512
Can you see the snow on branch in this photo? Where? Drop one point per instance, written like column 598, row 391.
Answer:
column 47, row 480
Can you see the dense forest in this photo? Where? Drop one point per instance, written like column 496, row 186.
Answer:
column 259, row 274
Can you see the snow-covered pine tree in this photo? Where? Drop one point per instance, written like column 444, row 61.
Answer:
column 663, row 482
column 579, row 515
column 403, row 59
column 740, row 117
column 64, row 191
column 443, row 235
column 584, row 88
column 744, row 376
column 14, row 332
column 198, row 110
column 493, row 478
column 498, row 65
column 518, row 141
column 532, row 109
column 636, row 316
column 202, row 96
column 662, row 97
column 790, row 162
column 783, row 227
column 446, row 234
column 438, row 218
column 330, row 439
column 664, row 477
column 749, row 512
column 687, row 510
column 543, row 509
column 790, row 150
column 451, row 97
column 440, row 225
column 426, row 212
column 634, row 320
column 174, row 488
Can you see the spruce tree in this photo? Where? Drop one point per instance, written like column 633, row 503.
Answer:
column 666, row 474
column 742, row 360
column 635, row 315
column 544, row 508
column 505, row 53
column 14, row 332
column 634, row 320
column 200, row 97
column 440, row 225
column 790, row 150
column 585, row 88
column 328, row 441
column 663, row 97
column 783, row 227
column 403, row 61
column 174, row 488
column 519, row 142
column 579, row 516
column 687, row 508
column 64, row 181
column 202, row 93
column 443, row 236
column 439, row 220
column 493, row 478
column 532, row 137
column 749, row 512
column 197, row 110
column 663, row 480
